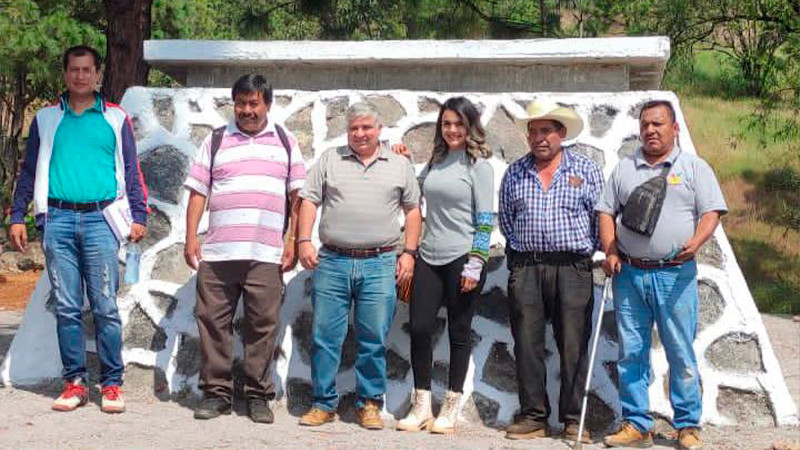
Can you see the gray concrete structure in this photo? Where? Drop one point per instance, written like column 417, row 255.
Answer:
column 557, row 65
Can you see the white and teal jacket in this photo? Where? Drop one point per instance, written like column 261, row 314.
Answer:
column 33, row 183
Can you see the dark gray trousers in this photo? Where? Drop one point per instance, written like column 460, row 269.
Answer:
column 555, row 287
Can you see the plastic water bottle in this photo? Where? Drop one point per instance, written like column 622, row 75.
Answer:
column 133, row 253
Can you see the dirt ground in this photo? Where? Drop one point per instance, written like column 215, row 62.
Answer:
column 16, row 288
column 28, row 423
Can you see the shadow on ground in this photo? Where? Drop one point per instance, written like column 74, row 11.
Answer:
column 7, row 331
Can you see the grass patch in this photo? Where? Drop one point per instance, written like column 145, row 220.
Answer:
column 706, row 73
column 721, row 133
column 773, row 275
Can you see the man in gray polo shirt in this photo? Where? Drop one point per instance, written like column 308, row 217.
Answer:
column 362, row 189
column 655, row 277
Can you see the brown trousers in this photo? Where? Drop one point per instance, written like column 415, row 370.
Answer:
column 219, row 286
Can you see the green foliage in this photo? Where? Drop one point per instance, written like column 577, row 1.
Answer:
column 589, row 18
column 34, row 36
column 355, row 19
column 707, row 73
column 157, row 78
column 751, row 33
column 440, row 19
column 191, row 19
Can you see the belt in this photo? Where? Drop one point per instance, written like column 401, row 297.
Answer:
column 92, row 206
column 649, row 263
column 525, row 258
column 359, row 252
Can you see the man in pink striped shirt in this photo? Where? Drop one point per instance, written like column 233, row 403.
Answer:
column 246, row 181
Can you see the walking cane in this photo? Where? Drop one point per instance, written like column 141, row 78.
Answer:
column 578, row 444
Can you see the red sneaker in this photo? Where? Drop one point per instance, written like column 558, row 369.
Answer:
column 113, row 402
column 73, row 396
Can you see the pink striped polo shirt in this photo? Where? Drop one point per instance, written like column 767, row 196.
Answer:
column 248, row 198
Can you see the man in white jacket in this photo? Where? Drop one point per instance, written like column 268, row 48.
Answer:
column 80, row 157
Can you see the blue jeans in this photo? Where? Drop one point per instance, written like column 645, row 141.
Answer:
column 369, row 284
column 667, row 297
column 81, row 253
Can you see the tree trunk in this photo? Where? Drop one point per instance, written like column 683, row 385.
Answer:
column 147, row 19
column 542, row 17
column 10, row 152
column 125, row 65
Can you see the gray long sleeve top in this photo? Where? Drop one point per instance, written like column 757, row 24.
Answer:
column 459, row 199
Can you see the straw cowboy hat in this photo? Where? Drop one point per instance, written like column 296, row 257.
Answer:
column 548, row 110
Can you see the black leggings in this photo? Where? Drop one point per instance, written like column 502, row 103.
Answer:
column 435, row 286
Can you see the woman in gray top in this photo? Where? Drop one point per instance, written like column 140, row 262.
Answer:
column 458, row 188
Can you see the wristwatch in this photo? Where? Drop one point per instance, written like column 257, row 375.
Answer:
column 413, row 252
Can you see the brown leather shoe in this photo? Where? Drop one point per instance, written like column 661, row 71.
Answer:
column 369, row 416
column 316, row 417
column 629, row 436
column 525, row 427
column 571, row 432
column 689, row 439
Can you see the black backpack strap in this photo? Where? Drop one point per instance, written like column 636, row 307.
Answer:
column 285, row 141
column 216, row 141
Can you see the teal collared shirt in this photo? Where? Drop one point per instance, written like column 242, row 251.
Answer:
column 82, row 165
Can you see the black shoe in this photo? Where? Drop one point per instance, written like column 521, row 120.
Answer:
column 212, row 407
column 526, row 427
column 258, row 410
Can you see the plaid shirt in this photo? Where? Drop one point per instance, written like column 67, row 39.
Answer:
column 560, row 219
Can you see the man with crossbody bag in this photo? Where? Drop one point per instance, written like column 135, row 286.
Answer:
column 669, row 203
column 250, row 172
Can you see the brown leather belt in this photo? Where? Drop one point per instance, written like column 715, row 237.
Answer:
column 359, row 252
column 649, row 263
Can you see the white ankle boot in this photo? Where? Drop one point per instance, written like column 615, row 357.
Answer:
column 448, row 416
column 420, row 417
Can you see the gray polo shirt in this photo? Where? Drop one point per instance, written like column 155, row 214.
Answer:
column 692, row 190
column 361, row 204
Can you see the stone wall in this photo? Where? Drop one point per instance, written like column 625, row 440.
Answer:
column 742, row 381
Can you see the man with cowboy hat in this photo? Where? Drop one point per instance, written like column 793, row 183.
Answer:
column 547, row 201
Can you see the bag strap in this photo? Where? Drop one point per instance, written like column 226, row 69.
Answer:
column 285, row 141
column 665, row 170
column 216, row 141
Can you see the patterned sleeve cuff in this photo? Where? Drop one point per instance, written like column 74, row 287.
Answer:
column 483, row 231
